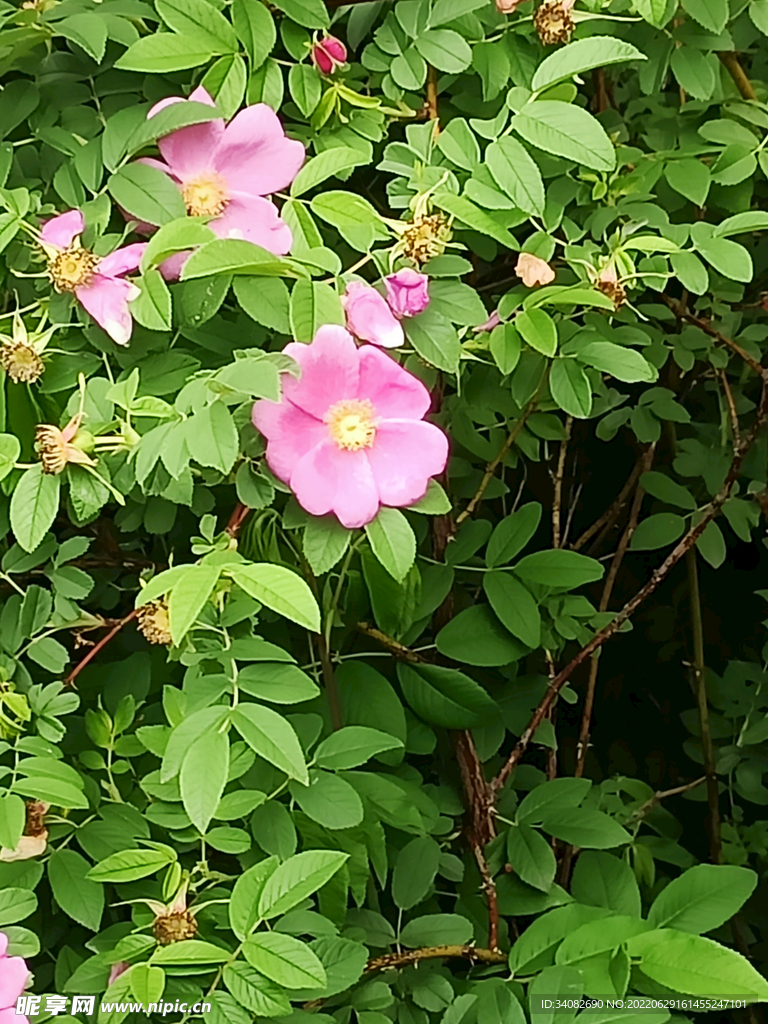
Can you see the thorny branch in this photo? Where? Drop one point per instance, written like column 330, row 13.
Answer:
column 611, row 514
column 557, row 500
column 705, row 326
column 97, row 648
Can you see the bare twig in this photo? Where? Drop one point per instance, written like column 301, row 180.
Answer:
column 393, row 646
column 431, row 103
column 731, row 408
column 413, row 956
column 657, row 577
column 611, row 514
column 705, row 326
column 97, row 648
column 657, row 797
column 558, row 494
column 236, row 520
column 737, row 73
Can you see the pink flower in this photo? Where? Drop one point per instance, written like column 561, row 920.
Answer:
column 14, row 975
column 507, row 6
column 225, row 172
column 328, row 54
column 349, row 435
column 117, row 969
column 96, row 282
column 369, row 317
column 407, row 293
column 533, row 270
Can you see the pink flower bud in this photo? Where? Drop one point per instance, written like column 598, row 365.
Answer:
column 369, row 317
column 493, row 321
column 533, row 271
column 507, row 6
column 328, row 54
column 407, row 292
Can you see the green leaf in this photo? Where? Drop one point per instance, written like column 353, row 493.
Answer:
column 89, row 31
column 325, row 165
column 550, row 797
column 415, row 871
column 277, row 683
column 352, row 216
column 79, row 896
column 657, row 531
column 660, row 486
column 622, row 363
column 305, row 87
column 542, row 937
column 505, row 347
column 570, row 388
column 16, row 904
column 204, row 773
column 693, row 965
column 468, row 213
column 531, row 857
column 299, row 877
column 653, row 11
column 34, row 504
column 457, row 142
column 255, row 27
column 325, row 541
column 694, row 71
column 190, row 951
column 146, row 193
column 563, row 570
column 435, row 339
column 130, row 865
column 409, row 69
column 604, row 880
column 176, row 236
column 266, row 300
column 595, row 937
column 566, row 130
column 729, row 258
column 436, row 929
column 313, row 304
column 392, row 541
column 329, row 800
column 147, row 983
column 166, row 51
column 434, row 503
column 273, row 738
column 244, row 905
column 516, row 174
column 749, row 220
column 199, row 19
column 12, row 820
column 445, row 696
column 10, row 448
column 445, row 50
column 309, row 13
column 189, row 596
column 283, row 959
column 691, row 178
column 711, row 14
column 580, row 56
column 353, row 746
column 538, row 329
column 53, row 790
column 514, row 605
column 211, row 437
column 252, row 990
column 585, row 827
column 476, row 637
column 236, row 256
column 703, row 898
column 152, row 307
column 512, row 534
column 280, row 589
column 690, row 271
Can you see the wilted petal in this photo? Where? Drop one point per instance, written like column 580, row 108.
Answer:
column 106, row 299
column 254, row 155
column 27, row 847
column 61, row 231
column 533, row 270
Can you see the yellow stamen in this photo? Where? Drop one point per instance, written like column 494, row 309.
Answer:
column 352, row 424
column 72, row 268
column 205, row 196
column 21, row 362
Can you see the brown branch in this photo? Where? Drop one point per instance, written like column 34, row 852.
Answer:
column 431, row 108
column 611, row 514
column 558, row 495
column 705, row 326
column 236, row 520
column 657, row 797
column 657, row 577
column 397, row 649
column 731, row 408
column 414, row 956
column 493, row 465
column 70, row 679
column 738, row 74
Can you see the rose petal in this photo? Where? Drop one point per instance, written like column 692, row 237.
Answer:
column 171, row 268
column 189, row 151
column 13, row 977
column 106, row 299
column 395, row 393
column 61, row 231
column 256, row 220
column 290, row 434
column 404, row 457
column 9, row 1016
column 122, row 260
column 254, row 155
column 329, row 371
column 330, row 479
column 370, row 318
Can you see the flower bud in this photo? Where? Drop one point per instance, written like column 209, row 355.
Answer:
column 369, row 317
column 507, row 6
column 407, row 293
column 328, row 54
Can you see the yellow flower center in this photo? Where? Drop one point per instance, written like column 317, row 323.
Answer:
column 205, row 196
column 72, row 268
column 21, row 362
column 352, row 424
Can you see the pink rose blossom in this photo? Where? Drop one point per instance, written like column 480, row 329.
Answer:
column 14, row 975
column 407, row 293
column 507, row 6
column 225, row 172
column 96, row 281
column 369, row 317
column 328, row 54
column 349, row 435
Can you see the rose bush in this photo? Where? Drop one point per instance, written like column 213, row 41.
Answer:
column 383, row 466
